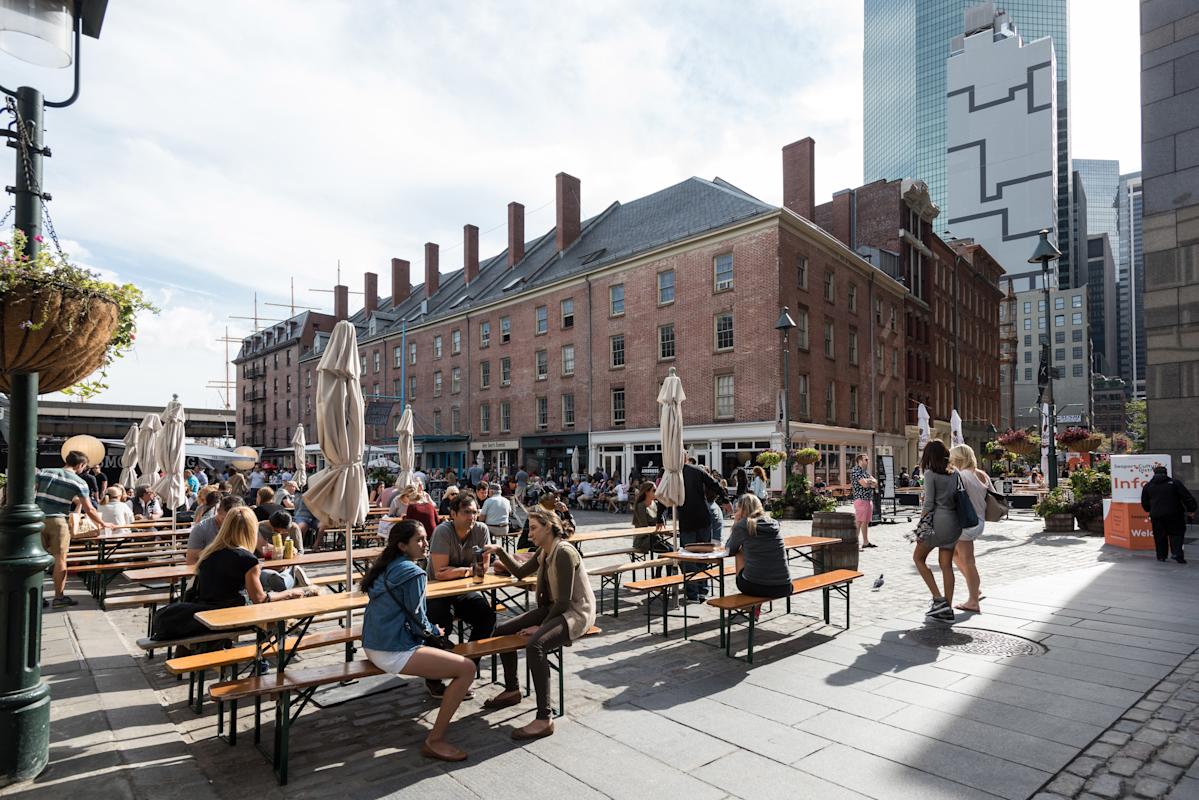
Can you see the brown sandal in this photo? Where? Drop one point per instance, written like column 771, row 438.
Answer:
column 504, row 699
column 523, row 734
column 455, row 755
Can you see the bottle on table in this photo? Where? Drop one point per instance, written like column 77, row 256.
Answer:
column 476, row 567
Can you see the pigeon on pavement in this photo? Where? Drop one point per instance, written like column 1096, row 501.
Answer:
column 878, row 584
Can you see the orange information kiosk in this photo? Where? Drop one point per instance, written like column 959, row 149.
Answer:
column 1125, row 523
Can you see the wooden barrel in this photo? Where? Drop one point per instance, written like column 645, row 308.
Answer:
column 835, row 525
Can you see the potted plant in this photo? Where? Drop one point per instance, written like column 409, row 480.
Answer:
column 1055, row 509
column 1090, row 486
column 61, row 321
column 1078, row 439
column 1020, row 442
column 769, row 459
column 801, row 502
column 805, row 456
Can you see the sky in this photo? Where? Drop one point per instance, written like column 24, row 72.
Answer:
column 222, row 149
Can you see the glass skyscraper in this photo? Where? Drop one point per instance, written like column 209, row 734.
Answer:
column 1101, row 182
column 906, row 45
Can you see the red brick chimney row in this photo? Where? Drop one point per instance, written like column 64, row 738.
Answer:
column 341, row 302
column 568, row 223
column 470, row 252
column 432, row 275
column 516, row 233
column 370, row 293
column 799, row 177
column 401, row 281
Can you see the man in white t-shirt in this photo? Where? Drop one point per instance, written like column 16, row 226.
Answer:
column 496, row 510
column 586, row 493
column 257, row 478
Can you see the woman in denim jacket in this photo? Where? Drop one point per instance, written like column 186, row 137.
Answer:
column 394, row 621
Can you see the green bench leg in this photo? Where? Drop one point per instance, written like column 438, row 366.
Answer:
column 826, row 617
column 616, row 596
column 257, row 718
column 282, row 735
column 749, row 655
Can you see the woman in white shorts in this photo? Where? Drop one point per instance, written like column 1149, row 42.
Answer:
column 976, row 483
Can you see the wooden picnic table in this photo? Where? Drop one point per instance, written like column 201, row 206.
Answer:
column 181, row 572
column 614, row 533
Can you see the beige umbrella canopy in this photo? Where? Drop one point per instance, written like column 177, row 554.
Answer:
column 670, row 420
column 147, row 457
column 129, row 458
column 407, row 450
column 168, row 445
column 300, row 474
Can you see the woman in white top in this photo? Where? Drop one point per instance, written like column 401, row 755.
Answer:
column 114, row 511
column 976, row 483
column 758, row 484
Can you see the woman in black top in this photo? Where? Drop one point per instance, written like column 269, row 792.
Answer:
column 742, row 482
column 228, row 565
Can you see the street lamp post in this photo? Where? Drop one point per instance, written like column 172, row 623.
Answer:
column 784, row 326
column 41, row 33
column 1045, row 253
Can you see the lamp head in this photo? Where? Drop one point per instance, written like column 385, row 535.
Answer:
column 785, row 322
column 39, row 31
column 1045, row 251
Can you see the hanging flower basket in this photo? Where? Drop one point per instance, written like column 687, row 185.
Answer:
column 1020, row 443
column 1078, row 440
column 770, row 459
column 805, row 456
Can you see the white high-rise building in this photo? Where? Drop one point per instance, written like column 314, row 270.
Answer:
column 1001, row 139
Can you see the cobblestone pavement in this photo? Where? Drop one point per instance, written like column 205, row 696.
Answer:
column 823, row 712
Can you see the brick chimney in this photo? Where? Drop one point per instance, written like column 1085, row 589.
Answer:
column 470, row 252
column 799, row 177
column 516, row 233
column 432, row 276
column 569, row 210
column 341, row 302
column 841, row 222
column 370, row 293
column 401, row 281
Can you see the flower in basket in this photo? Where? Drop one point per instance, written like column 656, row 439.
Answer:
column 771, row 458
column 62, row 321
column 805, row 456
column 1077, row 439
column 1020, row 442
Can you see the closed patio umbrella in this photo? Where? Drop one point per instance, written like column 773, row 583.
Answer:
column 129, row 458
column 300, row 473
column 168, row 446
column 670, row 420
column 406, row 449
column 955, row 428
column 574, row 461
column 147, row 457
column 922, row 420
column 337, row 494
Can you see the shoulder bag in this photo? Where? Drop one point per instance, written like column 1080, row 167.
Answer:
column 967, row 516
column 997, row 507
column 427, row 637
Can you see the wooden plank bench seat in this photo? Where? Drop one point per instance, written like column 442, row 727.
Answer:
column 661, row 587
column 610, row 576
column 734, row 605
column 623, row 551
column 148, row 600
column 97, row 576
column 304, row 682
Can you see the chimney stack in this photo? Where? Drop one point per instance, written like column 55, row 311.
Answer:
column 432, row 276
column 370, row 293
column 401, row 281
column 569, row 210
column 516, row 233
column 470, row 252
column 341, row 302
column 799, row 177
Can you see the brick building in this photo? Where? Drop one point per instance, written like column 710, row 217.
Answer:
column 561, row 342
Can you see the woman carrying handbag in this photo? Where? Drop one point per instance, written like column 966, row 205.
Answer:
column 939, row 528
column 976, row 485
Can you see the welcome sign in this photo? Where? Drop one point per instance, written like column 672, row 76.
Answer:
column 1125, row 523
column 1131, row 473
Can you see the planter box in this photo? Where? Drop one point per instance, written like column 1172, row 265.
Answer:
column 1059, row 523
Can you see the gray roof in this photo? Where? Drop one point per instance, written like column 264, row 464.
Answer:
column 622, row 230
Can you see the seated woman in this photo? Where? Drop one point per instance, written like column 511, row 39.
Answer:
column 547, row 502
column 647, row 513
column 228, row 566
column 761, row 558
column 393, row 628
column 447, row 497
column 419, row 506
column 565, row 611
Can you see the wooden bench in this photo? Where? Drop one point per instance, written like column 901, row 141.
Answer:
column 661, row 587
column 149, row 600
column 623, row 551
column 734, row 605
column 150, row 645
column 610, row 576
column 304, row 683
column 97, row 576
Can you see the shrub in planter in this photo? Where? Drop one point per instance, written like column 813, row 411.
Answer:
column 1056, row 511
column 804, row 502
column 1088, row 512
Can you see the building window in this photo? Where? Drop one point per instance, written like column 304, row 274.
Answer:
column 1076, row 336
column 1076, row 301
column 411, row 387
column 412, row 353
column 618, row 406
column 801, row 328
column 1059, row 303
column 1027, row 356
column 397, row 357
column 455, row 380
column 1059, row 355
column 1028, row 323
column 485, row 418
column 543, row 413
column 505, row 417
column 396, row 387
column 436, row 347
column 484, row 374
column 288, row 382
column 568, row 359
column 895, row 362
column 455, row 419
column 722, row 266
column 830, row 287
column 505, row 330
column 1040, row 323
column 616, row 349
column 1077, row 351
column 1027, row 307
column 830, row 402
column 665, row 342
column 375, row 390
column 568, row 411
column 437, row 421
column 616, row 300
column 724, row 396
column 437, row 383
column 805, row 403
column 1076, row 370
column 505, row 371
column 851, row 297
column 801, row 272
column 853, row 346
column 542, row 315
column 1076, row 318
column 1041, row 305
column 543, row 364
column 724, row 331
column 456, row 341
column 568, row 313
column 829, row 342
column 666, row 287
column 484, row 335
column 377, row 360
column 362, row 364
column 1059, row 320
column 853, row 405
column 1059, row 337
column 881, row 366
column 1027, row 374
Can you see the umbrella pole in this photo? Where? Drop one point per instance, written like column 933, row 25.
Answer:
column 675, row 515
column 349, row 586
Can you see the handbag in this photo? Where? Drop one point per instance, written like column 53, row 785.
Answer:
column 997, row 507
column 967, row 516
column 427, row 637
column 924, row 528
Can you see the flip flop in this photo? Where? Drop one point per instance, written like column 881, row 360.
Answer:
column 429, row 752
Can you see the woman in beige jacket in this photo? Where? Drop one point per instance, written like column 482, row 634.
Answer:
column 565, row 611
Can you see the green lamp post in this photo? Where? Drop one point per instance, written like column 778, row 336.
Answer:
column 45, row 33
column 1045, row 253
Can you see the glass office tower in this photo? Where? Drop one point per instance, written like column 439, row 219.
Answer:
column 906, row 45
column 1101, row 181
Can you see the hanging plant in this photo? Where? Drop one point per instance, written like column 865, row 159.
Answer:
column 62, row 321
column 805, row 456
column 1020, row 442
column 1077, row 439
column 770, row 458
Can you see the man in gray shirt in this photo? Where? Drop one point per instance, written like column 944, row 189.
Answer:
column 203, row 533
column 496, row 510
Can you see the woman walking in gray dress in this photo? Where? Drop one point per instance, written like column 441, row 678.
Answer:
column 938, row 528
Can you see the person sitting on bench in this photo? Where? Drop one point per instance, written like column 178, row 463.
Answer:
column 565, row 611
column 228, row 565
column 393, row 628
column 761, row 558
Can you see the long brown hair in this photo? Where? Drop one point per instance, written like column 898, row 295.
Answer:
column 642, row 491
column 550, row 520
column 935, row 457
column 240, row 529
column 401, row 534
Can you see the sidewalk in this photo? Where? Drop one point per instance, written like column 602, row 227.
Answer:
column 823, row 713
